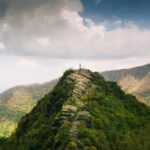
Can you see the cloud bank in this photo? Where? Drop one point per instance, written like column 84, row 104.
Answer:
column 55, row 29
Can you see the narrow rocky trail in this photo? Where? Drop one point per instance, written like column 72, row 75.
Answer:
column 82, row 79
column 75, row 109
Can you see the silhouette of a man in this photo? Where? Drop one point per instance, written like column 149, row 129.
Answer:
column 80, row 66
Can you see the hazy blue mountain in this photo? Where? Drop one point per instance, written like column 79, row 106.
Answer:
column 134, row 80
column 137, row 72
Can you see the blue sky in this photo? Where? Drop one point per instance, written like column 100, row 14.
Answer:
column 137, row 11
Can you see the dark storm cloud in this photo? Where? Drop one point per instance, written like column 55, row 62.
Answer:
column 3, row 8
column 24, row 6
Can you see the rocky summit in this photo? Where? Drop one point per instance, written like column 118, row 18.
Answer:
column 83, row 112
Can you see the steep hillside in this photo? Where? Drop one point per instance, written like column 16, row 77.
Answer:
column 16, row 102
column 83, row 112
column 135, row 81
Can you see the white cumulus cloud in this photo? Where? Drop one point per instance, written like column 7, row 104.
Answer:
column 43, row 41
column 55, row 29
column 25, row 63
column 2, row 45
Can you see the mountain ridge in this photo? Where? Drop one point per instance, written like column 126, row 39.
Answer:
column 21, row 99
column 83, row 112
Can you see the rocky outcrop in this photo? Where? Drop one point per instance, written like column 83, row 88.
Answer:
column 77, row 109
column 82, row 78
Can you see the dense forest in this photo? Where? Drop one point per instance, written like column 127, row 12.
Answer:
column 83, row 112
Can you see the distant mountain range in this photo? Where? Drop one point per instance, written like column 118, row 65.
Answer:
column 135, row 81
column 83, row 112
column 17, row 101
